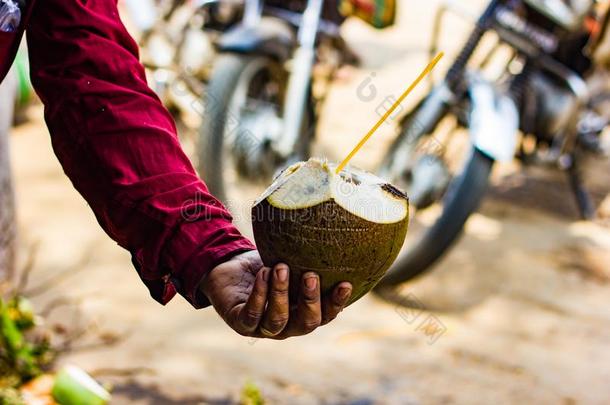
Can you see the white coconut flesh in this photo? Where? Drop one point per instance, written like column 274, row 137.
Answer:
column 307, row 184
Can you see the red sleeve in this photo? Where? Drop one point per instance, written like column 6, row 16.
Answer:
column 118, row 145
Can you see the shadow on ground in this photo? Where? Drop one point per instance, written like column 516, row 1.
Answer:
column 133, row 392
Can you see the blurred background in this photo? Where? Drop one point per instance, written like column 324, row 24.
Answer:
column 516, row 311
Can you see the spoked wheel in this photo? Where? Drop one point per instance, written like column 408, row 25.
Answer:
column 445, row 177
column 243, row 120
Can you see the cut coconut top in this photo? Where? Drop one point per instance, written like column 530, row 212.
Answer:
column 307, row 184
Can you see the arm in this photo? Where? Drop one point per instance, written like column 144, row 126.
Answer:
column 118, row 145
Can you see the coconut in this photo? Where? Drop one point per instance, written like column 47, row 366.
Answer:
column 348, row 226
column 73, row 386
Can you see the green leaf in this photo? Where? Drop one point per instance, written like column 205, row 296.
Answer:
column 12, row 337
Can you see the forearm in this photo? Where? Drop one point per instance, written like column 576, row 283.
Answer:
column 118, row 145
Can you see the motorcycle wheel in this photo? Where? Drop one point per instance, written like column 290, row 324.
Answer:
column 461, row 197
column 244, row 103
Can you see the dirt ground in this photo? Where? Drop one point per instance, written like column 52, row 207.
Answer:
column 518, row 312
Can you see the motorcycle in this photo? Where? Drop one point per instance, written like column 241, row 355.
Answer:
column 264, row 94
column 541, row 90
column 176, row 41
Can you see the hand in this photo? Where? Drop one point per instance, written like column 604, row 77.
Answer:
column 254, row 300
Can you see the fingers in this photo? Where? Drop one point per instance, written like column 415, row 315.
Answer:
column 249, row 314
column 308, row 315
column 335, row 302
column 309, row 312
column 278, row 306
column 267, row 312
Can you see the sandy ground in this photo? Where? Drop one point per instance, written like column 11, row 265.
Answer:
column 521, row 311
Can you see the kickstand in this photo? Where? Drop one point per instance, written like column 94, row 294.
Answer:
column 586, row 206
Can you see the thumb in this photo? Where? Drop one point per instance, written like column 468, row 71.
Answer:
column 249, row 314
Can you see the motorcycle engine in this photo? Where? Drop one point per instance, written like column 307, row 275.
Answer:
column 549, row 106
column 568, row 14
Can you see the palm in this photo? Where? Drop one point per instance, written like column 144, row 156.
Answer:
column 254, row 300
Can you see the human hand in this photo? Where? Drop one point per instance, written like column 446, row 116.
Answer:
column 254, row 300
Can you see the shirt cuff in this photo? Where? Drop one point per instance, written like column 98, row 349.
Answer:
column 195, row 250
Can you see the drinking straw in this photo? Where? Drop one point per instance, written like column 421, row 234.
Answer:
column 404, row 95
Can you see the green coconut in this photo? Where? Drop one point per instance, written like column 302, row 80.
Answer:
column 345, row 227
column 75, row 387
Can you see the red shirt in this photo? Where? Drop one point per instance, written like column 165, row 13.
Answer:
column 118, row 145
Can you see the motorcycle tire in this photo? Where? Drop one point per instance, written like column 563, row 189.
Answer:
column 462, row 198
column 224, row 81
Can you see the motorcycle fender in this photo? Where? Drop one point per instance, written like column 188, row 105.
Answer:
column 494, row 121
column 271, row 37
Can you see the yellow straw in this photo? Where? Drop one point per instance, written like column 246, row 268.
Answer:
column 404, row 95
